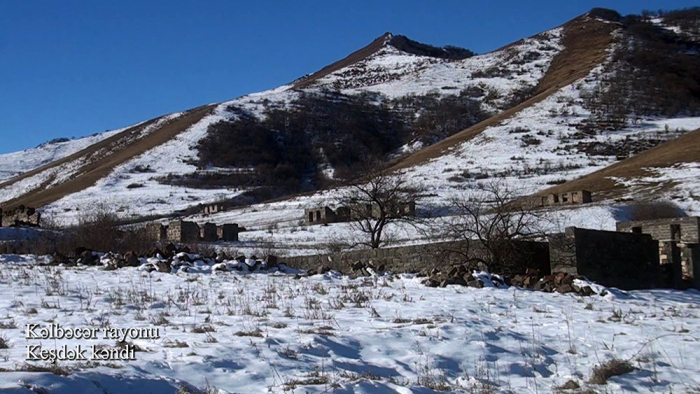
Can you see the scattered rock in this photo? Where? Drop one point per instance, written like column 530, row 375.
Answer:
column 358, row 265
column 131, row 259
column 271, row 261
column 163, row 266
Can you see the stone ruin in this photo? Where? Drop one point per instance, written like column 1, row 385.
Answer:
column 322, row 215
column 209, row 209
column 678, row 247
column 325, row 215
column 181, row 231
column 557, row 199
column 20, row 216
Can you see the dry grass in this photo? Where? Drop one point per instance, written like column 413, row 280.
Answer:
column 615, row 367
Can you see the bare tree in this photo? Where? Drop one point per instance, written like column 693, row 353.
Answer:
column 488, row 224
column 373, row 203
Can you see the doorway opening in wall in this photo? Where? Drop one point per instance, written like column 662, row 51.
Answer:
column 676, row 232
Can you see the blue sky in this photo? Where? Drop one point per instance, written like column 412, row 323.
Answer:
column 73, row 68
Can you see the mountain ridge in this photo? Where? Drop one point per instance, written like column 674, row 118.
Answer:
column 440, row 104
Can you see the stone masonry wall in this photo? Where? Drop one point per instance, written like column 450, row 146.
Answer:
column 660, row 229
column 411, row 259
column 624, row 260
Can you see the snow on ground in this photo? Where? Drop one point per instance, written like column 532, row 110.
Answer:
column 535, row 148
column 246, row 333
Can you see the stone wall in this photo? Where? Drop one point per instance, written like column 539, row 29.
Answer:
column 182, row 231
column 208, row 232
column 663, row 229
column 228, row 232
column 615, row 259
column 416, row 258
column 156, row 232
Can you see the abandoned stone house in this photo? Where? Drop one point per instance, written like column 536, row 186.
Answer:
column 322, row 215
column 182, row 231
column 325, row 215
column 20, row 216
column 625, row 260
column 566, row 198
column 640, row 254
column 208, row 233
column 212, row 208
column 228, row 232
column 683, row 229
column 185, row 232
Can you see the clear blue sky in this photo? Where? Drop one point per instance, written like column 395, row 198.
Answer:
column 73, row 68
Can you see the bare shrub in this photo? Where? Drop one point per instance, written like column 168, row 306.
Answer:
column 4, row 343
column 649, row 210
column 98, row 228
column 376, row 202
column 614, row 367
column 489, row 226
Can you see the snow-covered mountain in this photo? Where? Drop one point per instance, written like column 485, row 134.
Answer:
column 535, row 113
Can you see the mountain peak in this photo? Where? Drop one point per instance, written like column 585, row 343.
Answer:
column 399, row 42
column 407, row 45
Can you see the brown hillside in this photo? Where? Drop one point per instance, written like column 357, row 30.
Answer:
column 352, row 58
column 585, row 42
column 685, row 149
column 98, row 168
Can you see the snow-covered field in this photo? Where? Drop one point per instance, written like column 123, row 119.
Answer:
column 252, row 333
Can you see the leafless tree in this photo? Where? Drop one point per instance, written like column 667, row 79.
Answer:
column 488, row 224
column 377, row 201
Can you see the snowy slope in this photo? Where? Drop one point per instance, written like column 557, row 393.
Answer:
column 391, row 73
column 15, row 163
column 58, row 174
column 398, row 74
column 254, row 333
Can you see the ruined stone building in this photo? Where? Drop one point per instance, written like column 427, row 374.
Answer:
column 640, row 254
column 322, row 215
column 567, row 198
column 678, row 249
column 20, row 216
column 684, row 229
column 228, row 232
column 182, row 231
column 208, row 232
column 625, row 260
column 212, row 208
